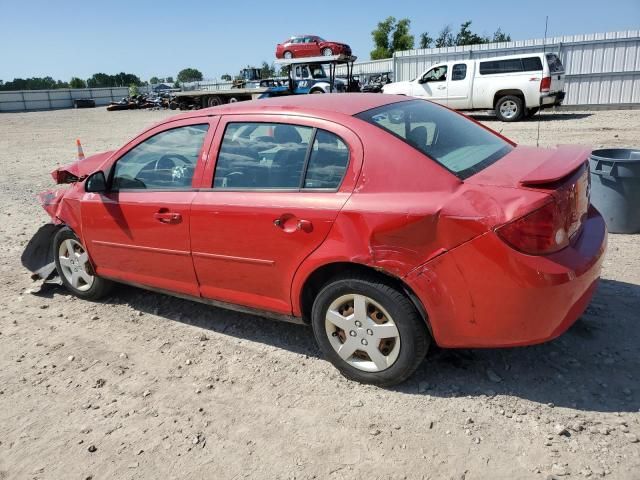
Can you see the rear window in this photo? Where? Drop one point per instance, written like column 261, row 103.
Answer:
column 453, row 141
column 555, row 65
column 511, row 65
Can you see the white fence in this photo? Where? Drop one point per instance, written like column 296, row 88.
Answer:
column 26, row 100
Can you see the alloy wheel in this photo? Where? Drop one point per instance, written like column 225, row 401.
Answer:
column 75, row 266
column 509, row 109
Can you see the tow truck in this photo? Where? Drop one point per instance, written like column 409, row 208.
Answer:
column 304, row 76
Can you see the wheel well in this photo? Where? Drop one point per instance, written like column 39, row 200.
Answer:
column 320, row 277
column 503, row 93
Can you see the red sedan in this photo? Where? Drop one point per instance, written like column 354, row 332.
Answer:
column 310, row 46
column 384, row 222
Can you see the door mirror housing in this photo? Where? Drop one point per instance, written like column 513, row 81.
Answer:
column 96, row 182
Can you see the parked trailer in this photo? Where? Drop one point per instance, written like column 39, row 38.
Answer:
column 306, row 75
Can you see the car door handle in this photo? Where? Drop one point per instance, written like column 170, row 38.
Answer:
column 290, row 223
column 167, row 217
column 442, row 87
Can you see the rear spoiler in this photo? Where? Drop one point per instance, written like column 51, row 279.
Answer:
column 561, row 162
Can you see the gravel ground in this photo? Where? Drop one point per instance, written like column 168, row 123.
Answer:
column 148, row 386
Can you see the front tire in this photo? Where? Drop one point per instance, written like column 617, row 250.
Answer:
column 327, row 52
column 370, row 331
column 509, row 108
column 75, row 269
column 288, row 55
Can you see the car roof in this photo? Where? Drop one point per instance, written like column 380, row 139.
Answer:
column 309, row 105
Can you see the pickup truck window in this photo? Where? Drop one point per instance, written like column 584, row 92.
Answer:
column 437, row 74
column 460, row 146
column 459, row 71
column 512, row 65
column 555, row 65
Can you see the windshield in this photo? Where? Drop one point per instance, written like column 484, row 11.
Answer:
column 456, row 143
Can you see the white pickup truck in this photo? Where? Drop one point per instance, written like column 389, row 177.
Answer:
column 515, row 86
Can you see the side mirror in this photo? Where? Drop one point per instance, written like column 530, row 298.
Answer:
column 96, row 182
column 422, row 80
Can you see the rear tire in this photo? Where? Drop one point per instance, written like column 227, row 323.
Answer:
column 313, row 92
column 509, row 108
column 75, row 268
column 382, row 338
column 327, row 52
column 287, row 55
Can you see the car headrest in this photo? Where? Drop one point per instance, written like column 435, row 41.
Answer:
column 286, row 134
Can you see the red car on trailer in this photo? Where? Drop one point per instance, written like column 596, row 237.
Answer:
column 383, row 221
column 310, row 46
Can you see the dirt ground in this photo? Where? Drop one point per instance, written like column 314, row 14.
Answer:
column 143, row 385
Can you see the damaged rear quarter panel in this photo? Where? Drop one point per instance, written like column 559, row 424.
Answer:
column 404, row 215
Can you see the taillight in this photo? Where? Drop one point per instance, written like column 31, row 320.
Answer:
column 545, row 84
column 540, row 232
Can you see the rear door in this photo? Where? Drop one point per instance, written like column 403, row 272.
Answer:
column 138, row 231
column 459, row 85
column 274, row 191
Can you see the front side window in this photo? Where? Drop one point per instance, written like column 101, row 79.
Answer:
column 459, row 145
column 165, row 161
column 437, row 74
column 261, row 156
column 459, row 71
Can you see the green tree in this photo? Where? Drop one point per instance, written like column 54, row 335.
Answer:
column 133, row 90
column 154, row 80
column 268, row 71
column 226, row 77
column 169, row 79
column 500, row 36
column 76, row 82
column 391, row 35
column 189, row 75
column 466, row 37
column 425, row 40
column 445, row 38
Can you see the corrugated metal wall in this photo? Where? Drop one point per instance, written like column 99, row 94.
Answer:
column 26, row 100
column 602, row 68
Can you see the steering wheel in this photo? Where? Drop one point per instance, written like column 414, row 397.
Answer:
column 178, row 164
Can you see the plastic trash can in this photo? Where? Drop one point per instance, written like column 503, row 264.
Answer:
column 615, row 187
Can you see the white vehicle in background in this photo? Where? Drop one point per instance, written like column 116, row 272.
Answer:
column 515, row 86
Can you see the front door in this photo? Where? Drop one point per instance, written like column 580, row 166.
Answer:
column 274, row 193
column 433, row 85
column 138, row 231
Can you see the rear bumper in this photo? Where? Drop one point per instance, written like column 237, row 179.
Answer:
column 549, row 100
column 498, row 297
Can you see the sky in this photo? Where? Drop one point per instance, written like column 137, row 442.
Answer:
column 65, row 39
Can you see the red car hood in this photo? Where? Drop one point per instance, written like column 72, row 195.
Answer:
column 80, row 168
column 531, row 166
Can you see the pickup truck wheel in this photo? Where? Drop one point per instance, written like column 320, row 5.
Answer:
column 509, row 109
column 313, row 92
column 288, row 54
column 370, row 331
column 327, row 52
column 75, row 269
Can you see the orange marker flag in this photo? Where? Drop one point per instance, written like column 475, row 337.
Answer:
column 80, row 152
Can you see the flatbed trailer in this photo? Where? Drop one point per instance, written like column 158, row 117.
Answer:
column 196, row 99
